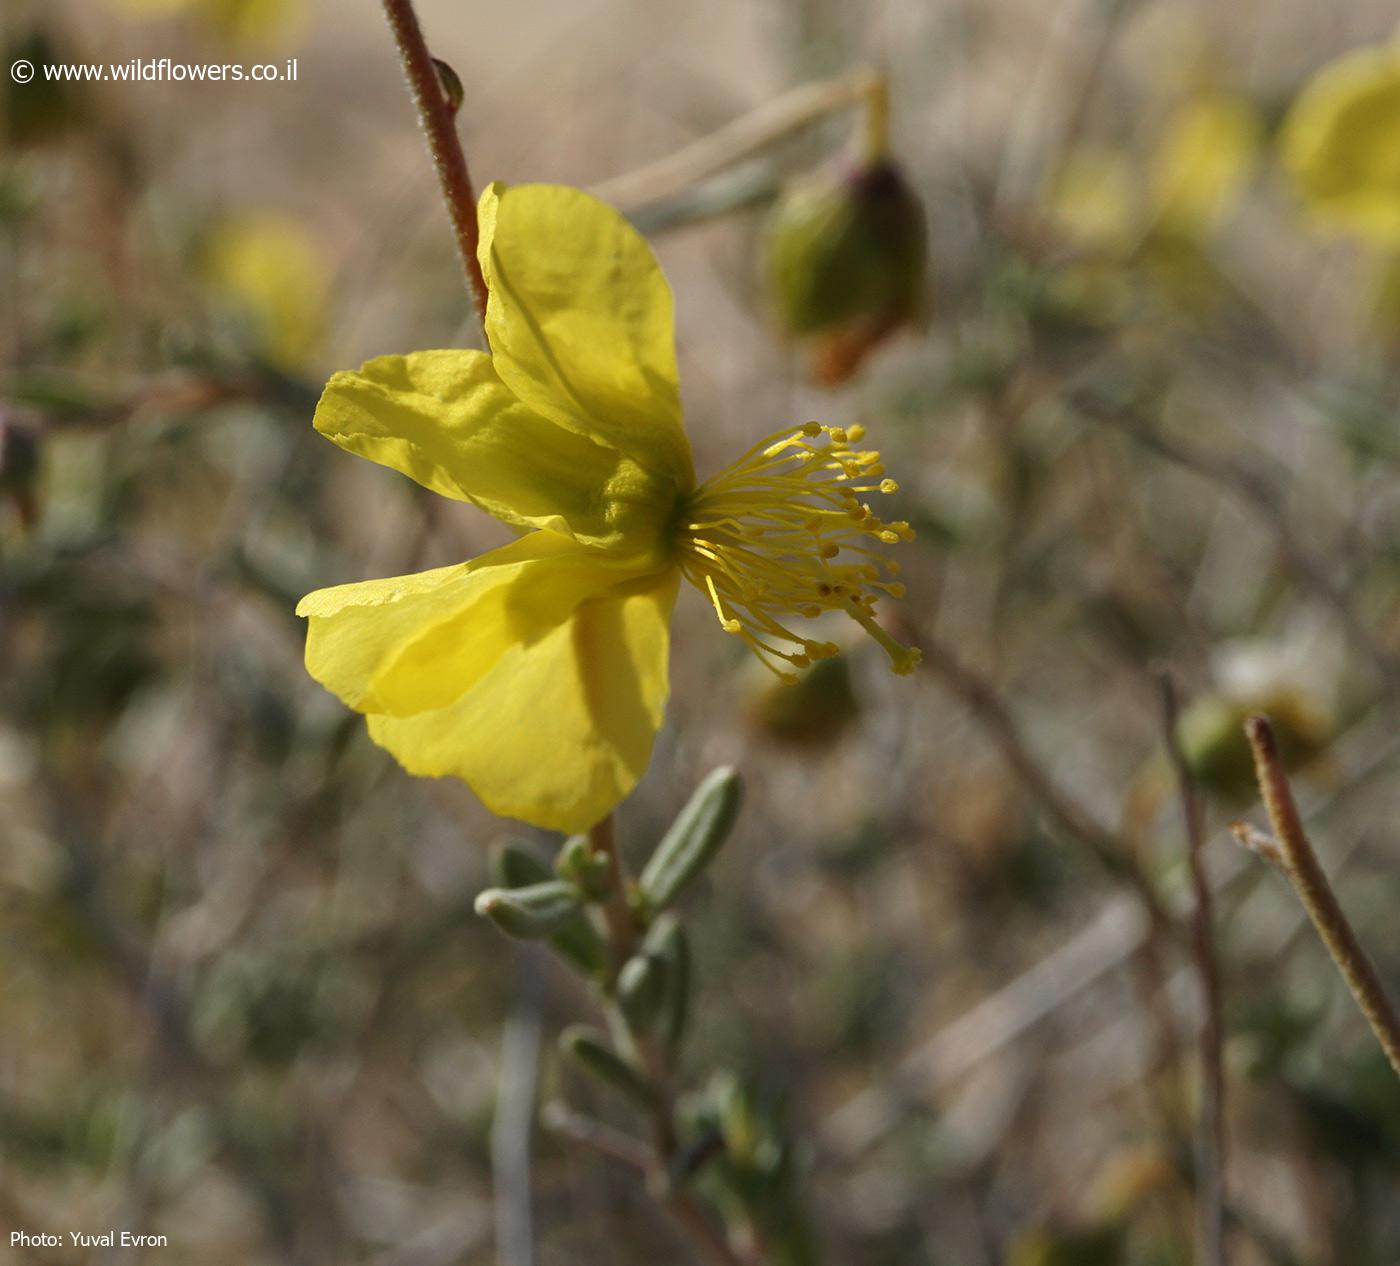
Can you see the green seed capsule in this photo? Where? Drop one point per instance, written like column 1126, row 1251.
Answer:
column 846, row 258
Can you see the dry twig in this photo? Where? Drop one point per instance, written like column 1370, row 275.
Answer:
column 1290, row 846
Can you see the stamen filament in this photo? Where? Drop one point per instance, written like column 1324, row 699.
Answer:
column 766, row 539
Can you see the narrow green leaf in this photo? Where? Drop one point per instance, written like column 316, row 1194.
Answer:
column 641, row 991
column 576, row 940
column 531, row 912
column 694, row 838
column 589, row 1049
column 513, row 865
column 668, row 944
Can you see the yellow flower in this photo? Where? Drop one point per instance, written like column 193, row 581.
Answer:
column 253, row 22
column 266, row 270
column 1196, row 172
column 1204, row 160
column 538, row 672
column 1341, row 144
column 1092, row 199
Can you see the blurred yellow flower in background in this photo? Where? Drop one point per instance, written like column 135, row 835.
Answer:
column 239, row 21
column 1204, row 160
column 538, row 672
column 1101, row 200
column 266, row 270
column 1340, row 144
column 1092, row 200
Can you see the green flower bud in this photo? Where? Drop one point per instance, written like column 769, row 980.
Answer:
column 579, row 863
column 847, row 254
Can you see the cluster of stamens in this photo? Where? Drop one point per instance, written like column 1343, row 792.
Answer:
column 784, row 532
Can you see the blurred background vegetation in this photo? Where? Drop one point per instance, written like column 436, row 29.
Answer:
column 1145, row 412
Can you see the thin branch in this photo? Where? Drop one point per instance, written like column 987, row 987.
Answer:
column 710, row 1241
column 438, row 114
column 1300, row 864
column 751, row 133
column 1009, row 1014
column 587, row 1132
column 1116, row 934
column 981, row 698
column 1258, row 842
column 1256, row 494
column 1211, row 1249
column 167, row 1010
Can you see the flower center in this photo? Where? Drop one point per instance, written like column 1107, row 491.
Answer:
column 783, row 533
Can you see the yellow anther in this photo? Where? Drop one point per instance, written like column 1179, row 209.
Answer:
column 855, row 433
column 765, row 540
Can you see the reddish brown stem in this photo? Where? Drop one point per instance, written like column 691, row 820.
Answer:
column 439, row 118
column 622, row 932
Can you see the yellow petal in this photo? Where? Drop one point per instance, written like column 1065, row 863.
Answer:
column 446, row 420
column 561, row 729
column 1341, row 145
column 414, row 643
column 580, row 322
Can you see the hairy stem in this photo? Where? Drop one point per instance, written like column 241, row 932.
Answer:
column 708, row 1240
column 622, row 927
column 438, row 116
column 1300, row 864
